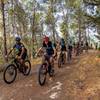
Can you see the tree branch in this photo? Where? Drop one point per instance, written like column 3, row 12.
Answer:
column 95, row 3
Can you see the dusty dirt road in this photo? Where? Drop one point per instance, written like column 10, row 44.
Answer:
column 79, row 80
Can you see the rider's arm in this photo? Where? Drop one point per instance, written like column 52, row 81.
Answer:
column 40, row 49
column 54, row 50
column 10, row 51
column 23, row 50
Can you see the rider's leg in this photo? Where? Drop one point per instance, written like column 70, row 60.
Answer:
column 52, row 61
column 65, row 57
column 21, row 64
column 50, row 67
column 59, row 54
column 22, row 60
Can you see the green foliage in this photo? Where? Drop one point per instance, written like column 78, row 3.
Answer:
column 74, row 26
column 24, row 12
column 99, row 50
column 64, row 28
column 73, row 3
column 4, row 1
column 36, row 28
column 49, row 17
column 11, row 11
column 37, row 18
column 21, row 15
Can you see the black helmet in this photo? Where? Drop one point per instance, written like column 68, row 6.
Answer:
column 62, row 39
column 17, row 38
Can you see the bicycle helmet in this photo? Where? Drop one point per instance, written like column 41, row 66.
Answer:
column 17, row 38
column 62, row 39
column 46, row 39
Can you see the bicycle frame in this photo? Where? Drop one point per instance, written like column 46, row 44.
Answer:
column 15, row 62
column 44, row 61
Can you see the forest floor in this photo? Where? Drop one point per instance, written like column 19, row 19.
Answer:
column 79, row 80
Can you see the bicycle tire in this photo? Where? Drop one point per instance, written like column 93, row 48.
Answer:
column 5, row 71
column 29, row 69
column 43, row 66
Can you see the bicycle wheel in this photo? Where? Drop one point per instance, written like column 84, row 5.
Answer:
column 10, row 74
column 51, row 73
column 60, row 61
column 27, row 67
column 64, row 58
column 42, row 74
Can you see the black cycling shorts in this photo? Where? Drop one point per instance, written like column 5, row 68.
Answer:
column 63, row 48
column 47, row 57
column 23, row 56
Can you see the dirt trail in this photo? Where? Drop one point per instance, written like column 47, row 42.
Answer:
column 79, row 80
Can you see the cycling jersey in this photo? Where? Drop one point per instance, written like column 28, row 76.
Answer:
column 49, row 48
column 63, row 47
column 18, row 50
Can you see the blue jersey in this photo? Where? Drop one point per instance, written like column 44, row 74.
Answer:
column 18, row 48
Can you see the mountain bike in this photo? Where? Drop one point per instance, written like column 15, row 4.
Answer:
column 61, row 59
column 44, row 70
column 10, row 72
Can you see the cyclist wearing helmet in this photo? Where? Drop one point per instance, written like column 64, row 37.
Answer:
column 63, row 46
column 50, row 50
column 55, row 46
column 21, row 51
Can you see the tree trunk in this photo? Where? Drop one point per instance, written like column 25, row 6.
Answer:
column 54, row 35
column 80, row 33
column 53, row 23
column 4, row 30
column 33, row 32
column 13, row 19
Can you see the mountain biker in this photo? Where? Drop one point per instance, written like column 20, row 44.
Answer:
column 86, row 46
column 21, row 51
column 50, row 50
column 62, row 49
column 63, row 46
column 69, row 50
column 55, row 46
